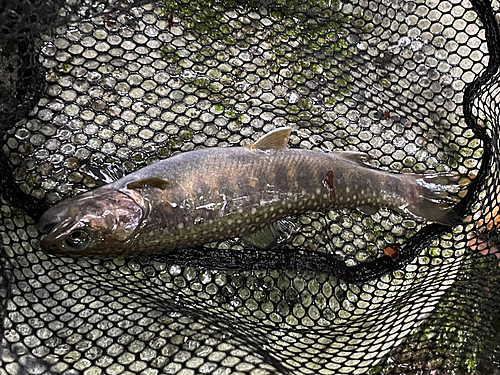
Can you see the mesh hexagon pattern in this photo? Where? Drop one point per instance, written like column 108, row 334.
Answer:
column 95, row 90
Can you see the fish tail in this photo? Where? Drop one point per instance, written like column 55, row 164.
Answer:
column 436, row 195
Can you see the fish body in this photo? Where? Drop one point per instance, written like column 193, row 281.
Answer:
column 214, row 194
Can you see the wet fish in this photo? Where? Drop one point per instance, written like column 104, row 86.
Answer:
column 220, row 193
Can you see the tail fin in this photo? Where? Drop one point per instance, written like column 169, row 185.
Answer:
column 433, row 196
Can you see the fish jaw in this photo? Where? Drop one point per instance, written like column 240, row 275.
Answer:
column 95, row 224
column 61, row 213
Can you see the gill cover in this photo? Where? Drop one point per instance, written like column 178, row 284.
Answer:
column 90, row 224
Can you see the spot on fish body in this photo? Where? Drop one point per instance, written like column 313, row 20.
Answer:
column 328, row 183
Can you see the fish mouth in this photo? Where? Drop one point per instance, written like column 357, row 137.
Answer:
column 61, row 213
column 50, row 219
column 54, row 229
column 47, row 245
column 45, row 226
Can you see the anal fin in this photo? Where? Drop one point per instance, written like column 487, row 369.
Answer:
column 269, row 235
column 368, row 210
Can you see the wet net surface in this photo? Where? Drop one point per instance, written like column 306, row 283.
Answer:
column 94, row 91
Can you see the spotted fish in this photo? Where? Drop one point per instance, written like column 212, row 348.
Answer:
column 220, row 193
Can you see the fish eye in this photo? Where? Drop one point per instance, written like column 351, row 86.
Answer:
column 77, row 240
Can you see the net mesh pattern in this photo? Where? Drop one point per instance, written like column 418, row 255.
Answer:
column 91, row 91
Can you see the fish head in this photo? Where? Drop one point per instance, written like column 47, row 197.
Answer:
column 97, row 224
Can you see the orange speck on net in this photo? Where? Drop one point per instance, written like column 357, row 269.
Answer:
column 488, row 229
column 387, row 115
column 392, row 251
column 484, row 245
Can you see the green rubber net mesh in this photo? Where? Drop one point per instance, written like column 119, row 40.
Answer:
column 90, row 91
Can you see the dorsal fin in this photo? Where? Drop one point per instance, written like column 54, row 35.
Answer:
column 274, row 140
column 154, row 182
column 354, row 156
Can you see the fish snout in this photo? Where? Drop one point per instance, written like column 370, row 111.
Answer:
column 45, row 226
column 49, row 246
column 51, row 218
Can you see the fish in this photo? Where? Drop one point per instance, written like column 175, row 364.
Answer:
column 214, row 194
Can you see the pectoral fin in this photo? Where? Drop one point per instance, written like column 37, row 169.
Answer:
column 275, row 140
column 154, row 182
